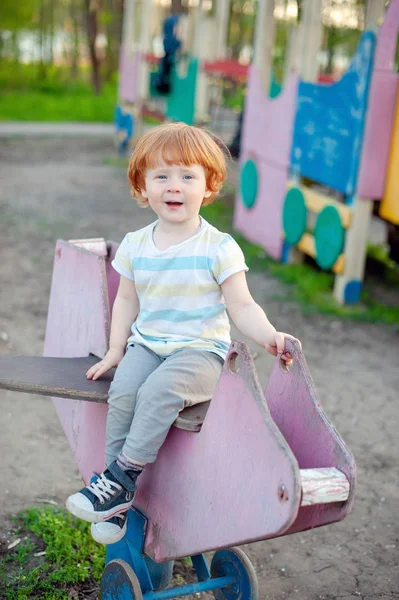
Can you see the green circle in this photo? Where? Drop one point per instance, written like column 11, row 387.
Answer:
column 329, row 237
column 294, row 216
column 249, row 183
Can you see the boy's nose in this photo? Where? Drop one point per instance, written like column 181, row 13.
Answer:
column 174, row 187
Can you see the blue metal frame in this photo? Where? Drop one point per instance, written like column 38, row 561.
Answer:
column 152, row 575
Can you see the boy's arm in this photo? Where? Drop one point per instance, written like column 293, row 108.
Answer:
column 124, row 313
column 250, row 318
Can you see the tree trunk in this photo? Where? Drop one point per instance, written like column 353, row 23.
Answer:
column 114, row 36
column 75, row 18
column 91, row 10
column 42, row 71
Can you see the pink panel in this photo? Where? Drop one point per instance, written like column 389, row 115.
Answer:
column 388, row 38
column 262, row 224
column 113, row 276
column 129, row 66
column 221, row 487
column 268, row 123
column 297, row 412
column 381, row 111
column 77, row 324
column 377, row 137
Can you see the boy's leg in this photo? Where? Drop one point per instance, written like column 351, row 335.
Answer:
column 112, row 492
column 133, row 370
column 185, row 378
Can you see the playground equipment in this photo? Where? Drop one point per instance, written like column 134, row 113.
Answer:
column 338, row 137
column 292, row 471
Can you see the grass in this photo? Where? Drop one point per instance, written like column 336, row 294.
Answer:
column 56, row 556
column 57, row 559
column 26, row 96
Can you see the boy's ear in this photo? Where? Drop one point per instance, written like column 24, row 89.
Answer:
column 143, row 192
column 207, row 193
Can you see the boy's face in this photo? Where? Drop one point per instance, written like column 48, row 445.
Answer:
column 175, row 192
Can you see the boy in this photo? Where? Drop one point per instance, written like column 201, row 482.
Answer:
column 178, row 276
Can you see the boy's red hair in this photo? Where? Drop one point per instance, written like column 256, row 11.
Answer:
column 178, row 143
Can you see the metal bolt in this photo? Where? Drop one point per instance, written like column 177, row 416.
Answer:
column 282, row 492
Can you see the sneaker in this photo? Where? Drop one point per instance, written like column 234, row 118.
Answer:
column 110, row 494
column 110, row 531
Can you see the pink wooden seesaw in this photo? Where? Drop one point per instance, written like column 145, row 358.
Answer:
column 247, row 466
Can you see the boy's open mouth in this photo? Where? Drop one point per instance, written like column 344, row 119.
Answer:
column 174, row 204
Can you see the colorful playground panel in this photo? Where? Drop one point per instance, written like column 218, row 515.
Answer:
column 129, row 69
column 181, row 101
column 265, row 163
column 345, row 137
column 389, row 208
column 329, row 124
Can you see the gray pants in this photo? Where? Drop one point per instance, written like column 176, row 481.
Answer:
column 147, row 394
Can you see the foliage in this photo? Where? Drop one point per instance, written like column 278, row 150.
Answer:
column 26, row 97
column 17, row 15
column 71, row 556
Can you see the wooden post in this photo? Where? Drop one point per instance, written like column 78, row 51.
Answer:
column 145, row 45
column 375, row 11
column 200, row 51
column 357, row 235
column 354, row 252
column 128, row 38
column 292, row 54
column 222, row 25
column 264, row 41
column 311, row 38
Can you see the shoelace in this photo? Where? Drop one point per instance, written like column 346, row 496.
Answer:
column 103, row 488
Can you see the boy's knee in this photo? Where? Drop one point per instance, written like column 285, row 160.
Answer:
column 120, row 399
column 158, row 399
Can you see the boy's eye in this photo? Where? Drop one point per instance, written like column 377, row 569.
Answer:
column 161, row 176
column 187, row 177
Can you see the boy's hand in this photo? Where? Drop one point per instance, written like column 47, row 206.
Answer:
column 111, row 359
column 277, row 346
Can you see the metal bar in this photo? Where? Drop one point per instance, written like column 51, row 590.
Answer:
column 191, row 588
column 201, row 567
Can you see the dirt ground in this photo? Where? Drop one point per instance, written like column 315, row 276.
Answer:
column 61, row 188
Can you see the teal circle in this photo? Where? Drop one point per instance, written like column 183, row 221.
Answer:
column 249, row 183
column 329, row 237
column 294, row 216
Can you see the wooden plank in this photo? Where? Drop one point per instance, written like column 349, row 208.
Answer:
column 316, row 201
column 59, row 377
column 299, row 414
column 307, row 246
column 65, row 378
column 323, row 486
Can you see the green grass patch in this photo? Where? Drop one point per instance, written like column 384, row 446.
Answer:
column 72, row 559
column 57, row 559
column 27, row 96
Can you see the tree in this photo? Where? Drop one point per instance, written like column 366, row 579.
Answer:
column 91, row 13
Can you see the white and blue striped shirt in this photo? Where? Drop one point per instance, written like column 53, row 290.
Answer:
column 181, row 301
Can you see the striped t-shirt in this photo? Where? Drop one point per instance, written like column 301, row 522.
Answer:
column 181, row 302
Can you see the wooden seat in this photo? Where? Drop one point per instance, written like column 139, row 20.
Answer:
column 65, row 378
